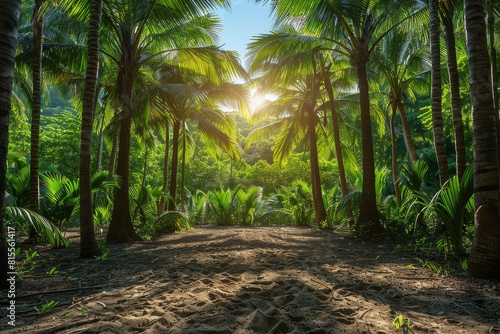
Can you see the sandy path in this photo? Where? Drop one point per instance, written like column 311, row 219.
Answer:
column 253, row 280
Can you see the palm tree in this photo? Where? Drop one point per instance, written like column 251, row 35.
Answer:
column 484, row 260
column 88, row 244
column 437, row 91
column 293, row 76
column 448, row 9
column 191, row 96
column 403, row 67
column 9, row 21
column 355, row 28
column 138, row 33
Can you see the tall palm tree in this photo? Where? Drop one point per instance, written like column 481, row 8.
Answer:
column 447, row 11
column 295, row 76
column 9, row 21
column 484, row 260
column 88, row 244
column 139, row 33
column 190, row 96
column 355, row 28
column 403, row 68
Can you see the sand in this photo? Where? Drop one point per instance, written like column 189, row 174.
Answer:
column 250, row 280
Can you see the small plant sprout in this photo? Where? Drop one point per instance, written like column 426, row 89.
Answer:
column 52, row 271
column 102, row 257
column 46, row 307
column 399, row 323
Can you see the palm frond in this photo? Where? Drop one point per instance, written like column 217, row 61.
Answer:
column 41, row 224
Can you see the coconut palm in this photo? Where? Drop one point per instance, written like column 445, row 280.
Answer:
column 354, row 28
column 484, row 260
column 137, row 33
column 402, row 65
column 191, row 96
column 9, row 17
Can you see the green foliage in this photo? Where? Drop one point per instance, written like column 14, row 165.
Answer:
column 61, row 197
column 172, row 221
column 298, row 201
column 450, row 204
column 60, row 141
column 46, row 307
column 399, row 323
column 196, row 205
column 61, row 200
column 248, row 201
column 52, row 271
column 438, row 268
column 222, row 206
column 28, row 263
column 25, row 217
column 416, row 191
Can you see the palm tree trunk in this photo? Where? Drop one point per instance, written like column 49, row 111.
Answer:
column 456, row 107
column 336, row 136
column 113, row 153
column 395, row 176
column 368, row 220
column 484, row 260
column 37, row 22
column 319, row 207
column 174, row 165
column 338, row 145
column 436, row 93
column 9, row 21
column 494, row 71
column 121, row 229
column 183, row 168
column 100, row 145
column 88, row 244
column 407, row 134
column 161, row 205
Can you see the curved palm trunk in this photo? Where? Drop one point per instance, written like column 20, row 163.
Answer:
column 406, row 131
column 9, row 21
column 436, row 93
column 484, row 260
column 121, row 228
column 161, row 205
column 368, row 221
column 456, row 107
column 395, row 176
column 319, row 207
column 88, row 244
column 35, row 111
column 174, row 165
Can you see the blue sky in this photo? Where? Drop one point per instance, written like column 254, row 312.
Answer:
column 244, row 20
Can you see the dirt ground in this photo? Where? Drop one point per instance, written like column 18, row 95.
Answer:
column 249, row 280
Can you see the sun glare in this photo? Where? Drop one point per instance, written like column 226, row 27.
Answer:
column 257, row 100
